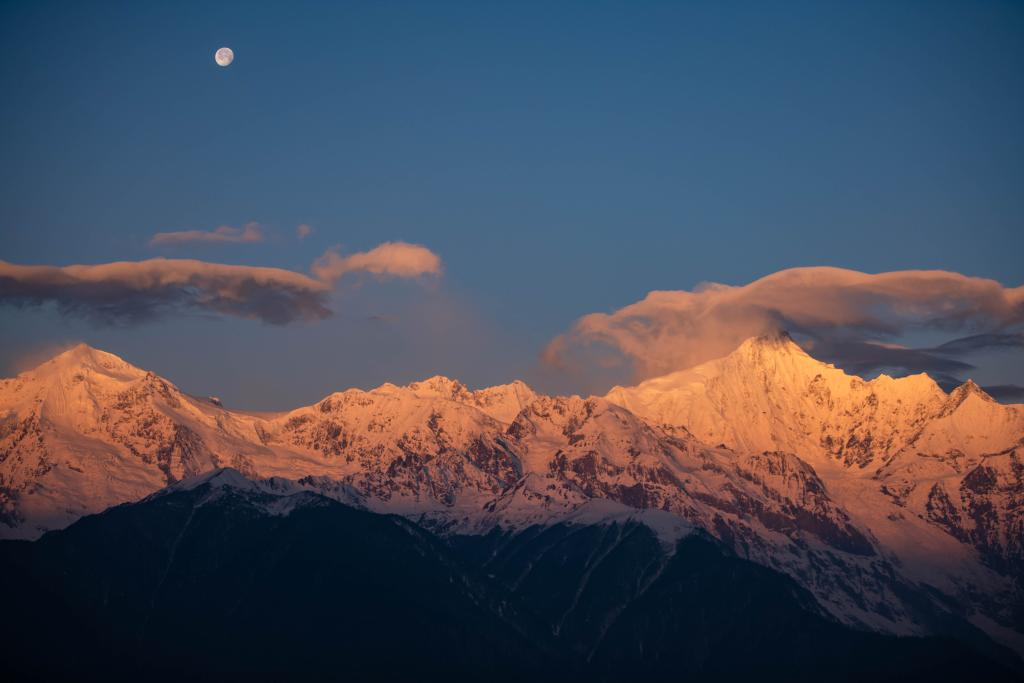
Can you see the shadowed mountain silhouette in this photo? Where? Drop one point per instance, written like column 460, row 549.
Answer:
column 223, row 578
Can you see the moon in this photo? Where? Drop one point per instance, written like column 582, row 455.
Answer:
column 224, row 56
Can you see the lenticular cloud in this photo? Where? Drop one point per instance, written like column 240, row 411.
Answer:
column 135, row 291
column 836, row 311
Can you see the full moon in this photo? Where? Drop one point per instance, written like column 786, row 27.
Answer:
column 224, row 56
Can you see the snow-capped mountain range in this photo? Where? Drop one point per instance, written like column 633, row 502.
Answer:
column 898, row 506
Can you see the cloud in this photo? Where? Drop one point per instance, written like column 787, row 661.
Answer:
column 303, row 231
column 390, row 259
column 866, row 357
column 1006, row 393
column 841, row 315
column 225, row 233
column 135, row 291
column 978, row 342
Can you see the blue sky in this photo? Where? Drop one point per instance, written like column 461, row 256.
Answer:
column 561, row 158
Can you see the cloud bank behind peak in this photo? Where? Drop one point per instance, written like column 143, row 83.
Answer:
column 842, row 314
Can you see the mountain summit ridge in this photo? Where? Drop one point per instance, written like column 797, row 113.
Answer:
column 751, row 399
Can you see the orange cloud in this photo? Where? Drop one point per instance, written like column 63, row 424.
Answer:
column 669, row 330
column 225, row 233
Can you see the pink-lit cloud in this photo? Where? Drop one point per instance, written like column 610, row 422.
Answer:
column 840, row 313
column 390, row 259
column 251, row 232
column 134, row 291
column 303, row 231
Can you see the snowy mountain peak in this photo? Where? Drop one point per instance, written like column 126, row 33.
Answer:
column 83, row 357
column 440, row 386
column 966, row 390
column 769, row 394
column 778, row 341
column 273, row 496
column 501, row 402
column 224, row 477
column 232, row 478
column 76, row 385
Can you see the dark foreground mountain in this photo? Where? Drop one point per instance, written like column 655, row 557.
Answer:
column 221, row 577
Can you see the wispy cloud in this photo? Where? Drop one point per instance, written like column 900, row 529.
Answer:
column 390, row 259
column 303, row 231
column 251, row 232
column 843, row 314
column 1007, row 393
column 135, row 291
column 978, row 342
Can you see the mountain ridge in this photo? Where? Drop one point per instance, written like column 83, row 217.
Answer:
column 859, row 524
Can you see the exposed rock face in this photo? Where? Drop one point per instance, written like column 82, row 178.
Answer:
column 875, row 496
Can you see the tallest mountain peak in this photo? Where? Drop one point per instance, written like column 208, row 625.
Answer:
column 774, row 342
column 777, row 337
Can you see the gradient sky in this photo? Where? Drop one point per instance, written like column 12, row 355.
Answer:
column 561, row 157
